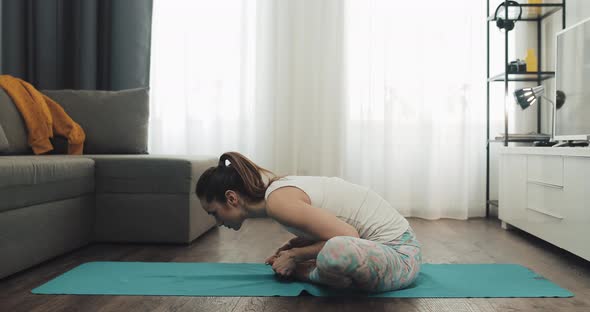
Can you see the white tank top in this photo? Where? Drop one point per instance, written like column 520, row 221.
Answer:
column 373, row 217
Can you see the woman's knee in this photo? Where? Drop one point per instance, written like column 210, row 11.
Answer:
column 339, row 255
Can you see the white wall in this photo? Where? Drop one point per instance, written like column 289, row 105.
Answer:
column 576, row 11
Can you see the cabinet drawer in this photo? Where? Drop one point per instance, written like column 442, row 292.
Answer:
column 545, row 202
column 545, row 169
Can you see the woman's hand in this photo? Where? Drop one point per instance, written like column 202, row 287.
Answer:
column 284, row 264
column 286, row 246
column 295, row 242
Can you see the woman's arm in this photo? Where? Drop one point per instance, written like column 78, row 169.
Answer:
column 291, row 211
column 298, row 241
column 286, row 206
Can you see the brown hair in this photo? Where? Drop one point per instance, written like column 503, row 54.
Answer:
column 241, row 175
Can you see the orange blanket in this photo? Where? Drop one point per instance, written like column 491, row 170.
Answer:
column 43, row 117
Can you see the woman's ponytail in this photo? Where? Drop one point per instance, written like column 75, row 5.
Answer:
column 240, row 174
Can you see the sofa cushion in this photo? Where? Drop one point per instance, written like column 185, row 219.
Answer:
column 148, row 173
column 14, row 127
column 149, row 198
column 115, row 122
column 30, row 180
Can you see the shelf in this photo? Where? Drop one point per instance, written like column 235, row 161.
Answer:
column 532, row 12
column 522, row 137
column 528, row 76
column 514, row 140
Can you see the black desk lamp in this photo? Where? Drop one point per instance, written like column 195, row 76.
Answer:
column 528, row 96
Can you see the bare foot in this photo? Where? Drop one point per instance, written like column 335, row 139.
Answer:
column 302, row 270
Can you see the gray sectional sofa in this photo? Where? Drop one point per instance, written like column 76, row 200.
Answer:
column 116, row 192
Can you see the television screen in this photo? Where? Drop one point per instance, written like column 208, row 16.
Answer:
column 572, row 76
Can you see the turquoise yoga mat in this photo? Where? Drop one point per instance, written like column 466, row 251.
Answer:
column 256, row 279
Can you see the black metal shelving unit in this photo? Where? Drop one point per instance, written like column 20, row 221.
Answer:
column 531, row 12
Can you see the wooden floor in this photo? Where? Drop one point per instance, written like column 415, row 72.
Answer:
column 444, row 241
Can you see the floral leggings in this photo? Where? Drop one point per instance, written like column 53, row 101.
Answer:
column 350, row 262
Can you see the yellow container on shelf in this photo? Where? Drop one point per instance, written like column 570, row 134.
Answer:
column 531, row 61
column 537, row 10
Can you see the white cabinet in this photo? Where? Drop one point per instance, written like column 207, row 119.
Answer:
column 546, row 191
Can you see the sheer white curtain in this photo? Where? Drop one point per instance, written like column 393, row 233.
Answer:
column 202, row 77
column 261, row 77
column 383, row 93
column 415, row 130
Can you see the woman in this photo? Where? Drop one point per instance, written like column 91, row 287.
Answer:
column 347, row 236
